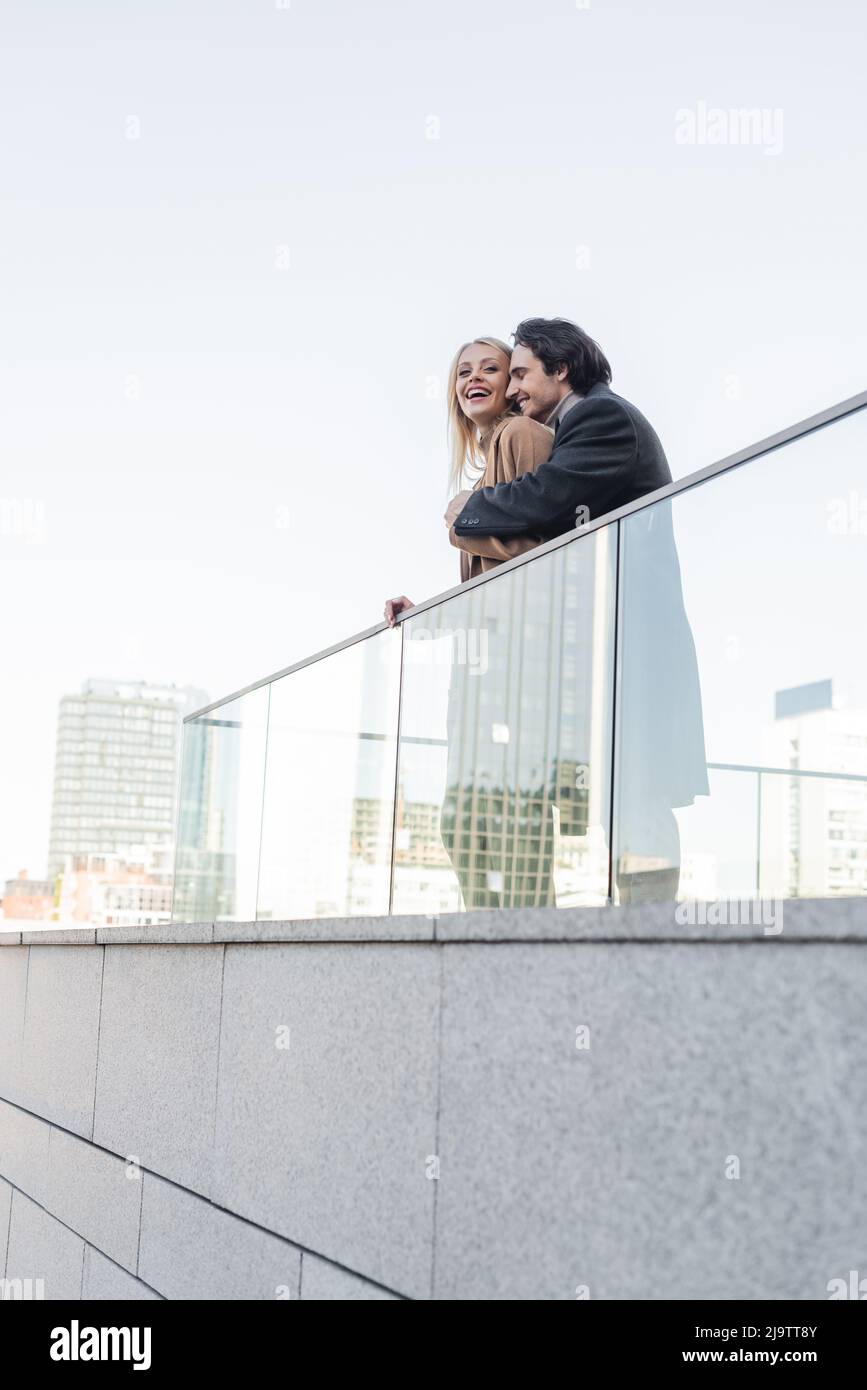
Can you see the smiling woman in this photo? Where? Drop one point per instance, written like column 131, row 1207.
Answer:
column 484, row 831
column 489, row 440
column 483, row 824
column 476, row 395
column 490, row 437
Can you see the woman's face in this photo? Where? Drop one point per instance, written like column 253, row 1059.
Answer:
column 483, row 376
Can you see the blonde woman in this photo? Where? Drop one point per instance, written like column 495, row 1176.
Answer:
column 490, row 443
column 501, row 854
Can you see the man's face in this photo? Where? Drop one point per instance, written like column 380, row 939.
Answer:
column 535, row 391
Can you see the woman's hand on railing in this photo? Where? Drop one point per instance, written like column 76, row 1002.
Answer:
column 394, row 606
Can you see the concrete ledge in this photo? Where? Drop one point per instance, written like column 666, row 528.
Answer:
column 825, row 919
column 172, row 934
column 59, row 936
column 420, row 928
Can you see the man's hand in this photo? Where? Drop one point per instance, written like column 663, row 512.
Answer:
column 394, row 606
column 455, row 507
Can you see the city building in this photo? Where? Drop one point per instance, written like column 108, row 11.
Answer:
column 27, row 899
column 110, row 890
column 116, row 768
column 814, row 811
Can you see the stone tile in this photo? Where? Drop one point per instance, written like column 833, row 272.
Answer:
column 96, row 1194
column 607, row 1166
column 193, row 1250
column 5, row 1214
column 158, row 1047
column 104, row 1280
column 321, row 1280
column 61, row 1027
column 168, row 934
column 825, row 919
column 403, row 928
column 41, row 1248
column 833, row 918
column 13, row 995
column 530, row 924
column 326, row 1141
column 24, row 1140
column 59, row 936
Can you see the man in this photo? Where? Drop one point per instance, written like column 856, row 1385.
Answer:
column 606, row 455
column 605, row 452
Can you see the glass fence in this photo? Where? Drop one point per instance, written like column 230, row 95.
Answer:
column 670, row 706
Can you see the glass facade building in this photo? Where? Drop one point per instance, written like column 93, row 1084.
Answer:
column 116, row 768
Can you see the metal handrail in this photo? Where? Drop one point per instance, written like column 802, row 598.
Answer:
column 673, row 489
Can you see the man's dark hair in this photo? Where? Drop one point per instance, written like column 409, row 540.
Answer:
column 559, row 343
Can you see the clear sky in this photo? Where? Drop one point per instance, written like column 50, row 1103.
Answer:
column 240, row 241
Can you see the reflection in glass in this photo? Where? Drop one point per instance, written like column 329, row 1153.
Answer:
column 660, row 753
column 505, row 739
column 771, row 556
column 220, row 809
column 329, row 787
column 722, row 832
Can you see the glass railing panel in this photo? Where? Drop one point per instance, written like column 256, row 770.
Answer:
column 722, row 831
column 220, row 811
column 329, row 786
column 505, row 741
column 813, row 835
column 740, row 644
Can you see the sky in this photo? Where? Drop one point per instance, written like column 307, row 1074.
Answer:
column 240, row 242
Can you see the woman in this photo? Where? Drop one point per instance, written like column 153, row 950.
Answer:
column 490, row 439
column 500, row 852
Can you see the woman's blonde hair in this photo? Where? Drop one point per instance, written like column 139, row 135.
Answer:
column 464, row 447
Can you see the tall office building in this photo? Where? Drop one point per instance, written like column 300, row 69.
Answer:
column 116, row 768
column 814, row 820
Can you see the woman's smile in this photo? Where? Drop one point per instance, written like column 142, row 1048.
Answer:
column 482, row 381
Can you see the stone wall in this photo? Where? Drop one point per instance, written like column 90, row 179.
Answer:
column 543, row 1104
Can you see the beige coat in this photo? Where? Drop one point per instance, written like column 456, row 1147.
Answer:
column 516, row 445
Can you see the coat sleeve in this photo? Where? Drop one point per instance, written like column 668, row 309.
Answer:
column 594, row 452
column 524, row 447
